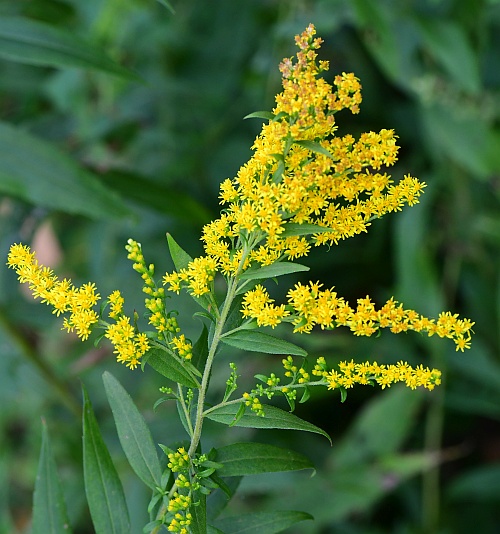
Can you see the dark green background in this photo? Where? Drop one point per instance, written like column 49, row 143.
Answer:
column 89, row 159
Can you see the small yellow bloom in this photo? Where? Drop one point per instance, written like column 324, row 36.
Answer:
column 62, row 295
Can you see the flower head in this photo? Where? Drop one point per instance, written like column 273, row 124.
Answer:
column 63, row 296
column 301, row 173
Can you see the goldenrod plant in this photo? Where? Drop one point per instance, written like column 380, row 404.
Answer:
column 303, row 187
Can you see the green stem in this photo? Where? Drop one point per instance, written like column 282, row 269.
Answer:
column 273, row 388
column 196, row 432
column 231, row 291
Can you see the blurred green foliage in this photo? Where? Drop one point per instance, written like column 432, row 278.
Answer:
column 126, row 128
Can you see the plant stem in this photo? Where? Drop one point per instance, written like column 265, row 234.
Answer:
column 231, row 290
column 270, row 389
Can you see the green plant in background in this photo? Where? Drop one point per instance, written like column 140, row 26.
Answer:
column 304, row 186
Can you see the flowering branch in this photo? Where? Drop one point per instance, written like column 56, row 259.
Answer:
column 304, row 186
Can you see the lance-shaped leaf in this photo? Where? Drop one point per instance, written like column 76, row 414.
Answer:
column 170, row 368
column 181, row 260
column 134, row 434
column 36, row 43
column 241, row 459
column 260, row 115
column 292, row 229
column 199, row 513
column 49, row 508
column 200, row 350
column 179, row 256
column 261, row 522
column 271, row 271
column 39, row 173
column 314, row 147
column 258, row 342
column 273, row 418
column 103, row 488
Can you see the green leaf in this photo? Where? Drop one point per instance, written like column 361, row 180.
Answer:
column 261, row 522
column 448, row 42
column 292, row 229
column 254, row 458
column 314, row 147
column 260, row 115
column 234, row 316
column 144, row 190
column 274, row 418
column 278, row 173
column 39, row 173
column 376, row 19
column 200, row 350
column 170, row 368
column 36, row 43
column 103, row 488
column 183, row 418
column 49, row 508
column 220, row 499
column 162, row 400
column 179, row 256
column 238, row 415
column 382, row 426
column 452, row 133
column 480, row 484
column 135, row 437
column 271, row 271
column 305, row 395
column 258, row 342
column 199, row 512
column 181, row 260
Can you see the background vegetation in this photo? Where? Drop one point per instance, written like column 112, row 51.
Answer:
column 92, row 153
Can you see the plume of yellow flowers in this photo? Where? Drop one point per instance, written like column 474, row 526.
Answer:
column 304, row 186
column 79, row 302
column 62, row 295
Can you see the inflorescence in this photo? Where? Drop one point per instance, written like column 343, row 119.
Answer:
column 304, row 186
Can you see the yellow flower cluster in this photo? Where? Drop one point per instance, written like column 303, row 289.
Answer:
column 351, row 373
column 178, row 460
column 116, row 302
column 308, row 306
column 182, row 346
column 198, row 276
column 257, row 304
column 298, row 374
column 301, row 173
column 129, row 345
column 253, row 402
column 178, row 506
column 155, row 302
column 179, row 518
column 347, row 375
column 62, row 295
